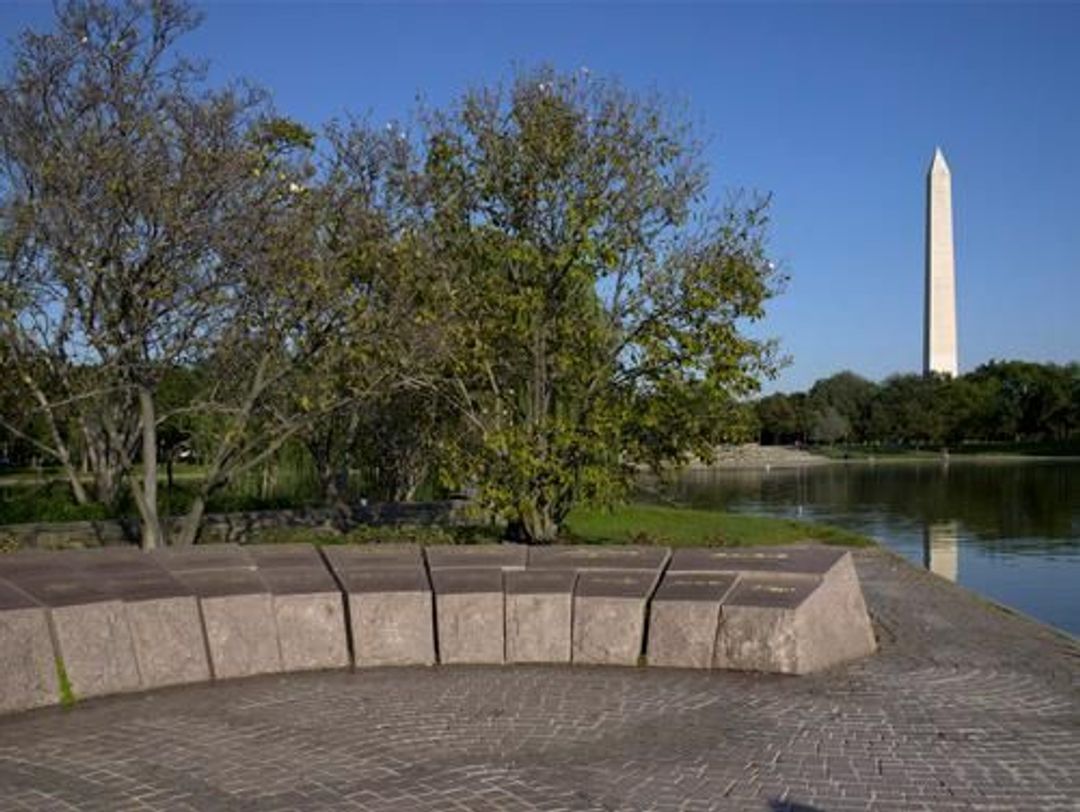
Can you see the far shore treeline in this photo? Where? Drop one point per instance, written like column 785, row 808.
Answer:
column 527, row 294
column 999, row 402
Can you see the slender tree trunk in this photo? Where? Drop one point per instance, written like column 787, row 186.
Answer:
column 63, row 454
column 77, row 489
column 146, row 497
column 189, row 528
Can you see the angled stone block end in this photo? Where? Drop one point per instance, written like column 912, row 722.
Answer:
column 469, row 612
column 834, row 626
column 539, row 616
column 27, row 660
column 788, row 623
column 609, row 616
column 683, row 619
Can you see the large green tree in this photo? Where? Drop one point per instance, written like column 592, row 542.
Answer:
column 595, row 297
column 151, row 223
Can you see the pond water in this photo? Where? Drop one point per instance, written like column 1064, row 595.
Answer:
column 1009, row 530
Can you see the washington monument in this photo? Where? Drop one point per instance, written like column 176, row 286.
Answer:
column 939, row 337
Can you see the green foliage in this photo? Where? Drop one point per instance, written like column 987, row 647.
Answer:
column 530, row 298
column 51, row 502
column 380, row 534
column 1001, row 401
column 594, row 299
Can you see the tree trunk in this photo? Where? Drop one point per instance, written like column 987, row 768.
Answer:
column 536, row 524
column 268, row 484
column 146, row 498
column 77, row 489
column 189, row 528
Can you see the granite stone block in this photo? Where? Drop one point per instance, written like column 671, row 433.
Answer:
column 609, row 616
column 28, row 676
column 469, row 611
column 683, row 618
column 391, row 615
column 310, row 616
column 238, row 617
column 166, row 628
column 835, row 625
column 539, row 614
column 783, row 622
column 90, row 630
column 758, row 630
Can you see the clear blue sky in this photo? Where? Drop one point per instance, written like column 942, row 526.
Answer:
column 835, row 109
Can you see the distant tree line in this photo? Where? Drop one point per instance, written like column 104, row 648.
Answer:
column 527, row 294
column 1013, row 401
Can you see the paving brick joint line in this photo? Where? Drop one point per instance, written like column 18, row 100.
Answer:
column 964, row 707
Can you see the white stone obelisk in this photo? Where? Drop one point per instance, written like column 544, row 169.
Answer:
column 939, row 346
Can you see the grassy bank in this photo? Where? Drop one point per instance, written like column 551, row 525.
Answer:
column 675, row 526
column 628, row 524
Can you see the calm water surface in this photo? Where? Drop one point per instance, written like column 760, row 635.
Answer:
column 1008, row 530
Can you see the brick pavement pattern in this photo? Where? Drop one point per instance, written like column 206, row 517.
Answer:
column 965, row 707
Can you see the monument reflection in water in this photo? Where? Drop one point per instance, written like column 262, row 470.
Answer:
column 1007, row 529
column 941, row 553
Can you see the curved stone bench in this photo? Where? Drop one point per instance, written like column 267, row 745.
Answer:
column 94, row 622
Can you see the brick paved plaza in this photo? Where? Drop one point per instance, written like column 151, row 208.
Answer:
column 965, row 707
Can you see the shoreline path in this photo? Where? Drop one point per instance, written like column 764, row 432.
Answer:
column 965, row 707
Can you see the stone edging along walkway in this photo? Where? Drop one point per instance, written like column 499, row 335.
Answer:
column 94, row 622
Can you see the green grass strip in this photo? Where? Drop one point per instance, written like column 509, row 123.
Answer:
column 67, row 695
column 676, row 526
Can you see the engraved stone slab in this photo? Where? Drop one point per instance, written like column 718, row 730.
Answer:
column 758, row 629
column 391, row 615
column 684, row 616
column 539, row 614
column 344, row 558
column 804, row 560
column 91, row 632
column 609, row 616
column 27, row 661
column 203, row 557
column 470, row 615
column 32, row 563
column 288, row 556
column 310, row 616
column 476, row 556
column 110, row 561
column 605, row 558
column 238, row 616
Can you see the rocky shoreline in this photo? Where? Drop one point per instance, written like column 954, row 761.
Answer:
column 752, row 455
